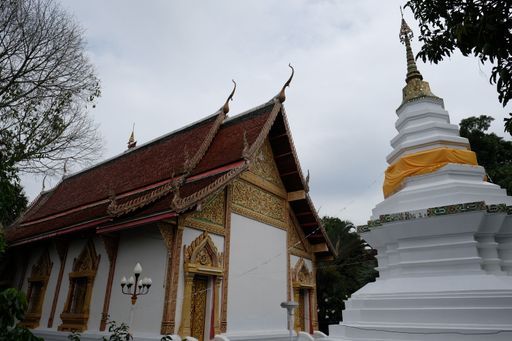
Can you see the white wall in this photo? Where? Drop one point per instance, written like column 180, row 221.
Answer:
column 98, row 292
column 143, row 245
column 255, row 296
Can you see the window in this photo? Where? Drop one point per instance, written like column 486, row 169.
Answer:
column 36, row 289
column 76, row 309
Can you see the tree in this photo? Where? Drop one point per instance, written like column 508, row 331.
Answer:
column 353, row 267
column 492, row 151
column 12, row 198
column 482, row 28
column 46, row 86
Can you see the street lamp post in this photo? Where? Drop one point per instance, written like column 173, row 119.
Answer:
column 289, row 306
column 140, row 286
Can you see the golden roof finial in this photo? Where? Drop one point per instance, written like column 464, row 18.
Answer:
column 65, row 169
column 131, row 141
column 44, row 183
column 416, row 86
column 225, row 108
column 282, row 96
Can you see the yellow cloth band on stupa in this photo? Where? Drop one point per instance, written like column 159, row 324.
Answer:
column 424, row 162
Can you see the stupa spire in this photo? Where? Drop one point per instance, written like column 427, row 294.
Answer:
column 406, row 35
column 416, row 86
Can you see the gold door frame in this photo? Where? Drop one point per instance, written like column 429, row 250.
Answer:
column 201, row 258
column 302, row 279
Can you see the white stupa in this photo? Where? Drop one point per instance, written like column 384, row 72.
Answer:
column 443, row 235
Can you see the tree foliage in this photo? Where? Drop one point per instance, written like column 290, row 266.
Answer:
column 482, row 28
column 492, row 151
column 353, row 267
column 12, row 197
column 46, row 85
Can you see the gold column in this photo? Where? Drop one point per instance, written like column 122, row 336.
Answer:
column 62, row 251
column 111, row 246
column 314, row 302
column 187, row 305
column 296, row 298
column 227, row 245
column 218, row 281
column 167, row 233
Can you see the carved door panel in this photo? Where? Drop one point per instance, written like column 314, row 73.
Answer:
column 198, row 313
column 301, row 310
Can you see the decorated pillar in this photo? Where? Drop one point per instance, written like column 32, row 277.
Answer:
column 216, row 319
column 172, row 236
column 62, row 250
column 111, row 243
column 187, row 305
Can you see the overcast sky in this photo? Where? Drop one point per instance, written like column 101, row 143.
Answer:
column 164, row 64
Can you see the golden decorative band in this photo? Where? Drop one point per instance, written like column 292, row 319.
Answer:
column 423, row 162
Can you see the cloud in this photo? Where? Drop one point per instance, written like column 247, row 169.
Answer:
column 164, row 64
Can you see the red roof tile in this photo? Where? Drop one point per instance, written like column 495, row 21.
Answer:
column 145, row 165
column 141, row 178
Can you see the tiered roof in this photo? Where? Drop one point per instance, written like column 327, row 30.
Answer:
column 170, row 175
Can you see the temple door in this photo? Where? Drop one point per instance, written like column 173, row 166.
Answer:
column 301, row 311
column 198, row 307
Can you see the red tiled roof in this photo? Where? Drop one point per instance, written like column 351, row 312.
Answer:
column 141, row 179
column 228, row 145
column 145, row 165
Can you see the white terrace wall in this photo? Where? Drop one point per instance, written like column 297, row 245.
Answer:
column 257, row 277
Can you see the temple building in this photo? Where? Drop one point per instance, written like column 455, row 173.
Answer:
column 443, row 235
column 218, row 215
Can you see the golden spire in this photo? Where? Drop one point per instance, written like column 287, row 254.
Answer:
column 416, row 87
column 131, row 141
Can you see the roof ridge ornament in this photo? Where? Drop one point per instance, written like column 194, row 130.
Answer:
column 65, row 169
column 282, row 96
column 44, row 184
column 415, row 85
column 131, row 141
column 225, row 107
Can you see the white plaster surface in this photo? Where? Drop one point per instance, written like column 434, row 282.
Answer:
column 257, row 279
column 424, row 124
column 445, row 277
column 143, row 245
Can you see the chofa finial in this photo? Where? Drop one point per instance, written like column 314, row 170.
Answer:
column 282, row 96
column 131, row 141
column 65, row 169
column 225, row 108
column 44, row 183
